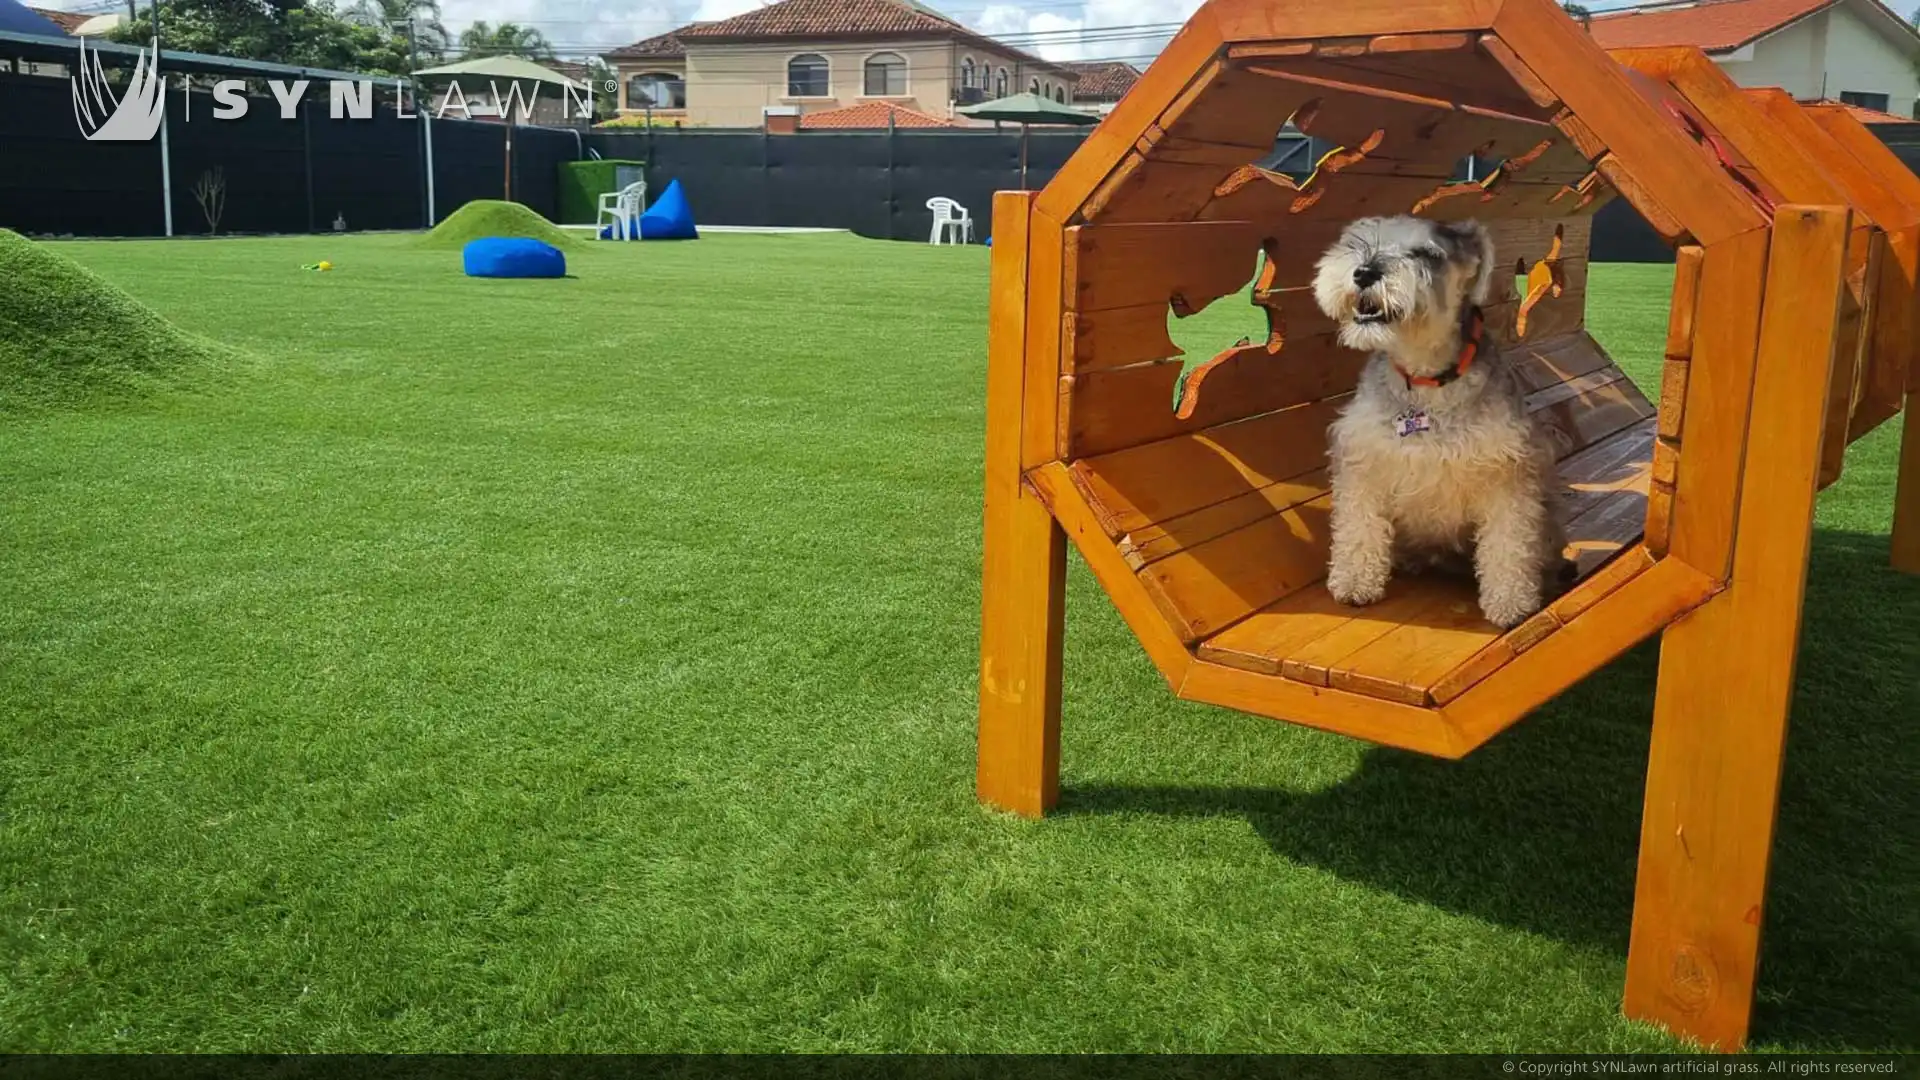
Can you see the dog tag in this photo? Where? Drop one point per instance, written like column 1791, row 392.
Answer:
column 1412, row 422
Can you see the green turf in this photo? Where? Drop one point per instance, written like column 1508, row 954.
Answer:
column 589, row 665
column 68, row 338
column 493, row 217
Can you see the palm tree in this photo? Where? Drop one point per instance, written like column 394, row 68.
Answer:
column 507, row 39
column 429, row 33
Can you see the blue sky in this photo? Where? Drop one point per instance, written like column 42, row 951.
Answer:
column 1057, row 29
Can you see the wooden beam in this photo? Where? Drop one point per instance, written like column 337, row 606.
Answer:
column 1023, row 557
column 1714, row 428
column 1726, row 675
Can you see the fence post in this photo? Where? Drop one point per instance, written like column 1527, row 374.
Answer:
column 306, row 155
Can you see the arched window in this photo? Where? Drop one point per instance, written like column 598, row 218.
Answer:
column 807, row 76
column 886, row 75
column 967, row 72
column 1033, row 86
column 1060, row 94
column 1000, row 83
column 656, row 90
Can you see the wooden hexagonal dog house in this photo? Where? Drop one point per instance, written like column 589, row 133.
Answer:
column 1206, row 521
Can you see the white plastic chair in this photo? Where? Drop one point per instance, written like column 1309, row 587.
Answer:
column 950, row 219
column 624, row 207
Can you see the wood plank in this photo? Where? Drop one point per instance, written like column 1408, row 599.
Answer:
column 1686, row 296
column 1117, row 337
column 1408, row 598
column 1640, row 193
column 1132, row 489
column 1169, row 77
column 1590, row 418
column 1614, row 624
column 1673, row 397
column 1666, row 461
column 1161, row 539
column 1607, row 529
column 1261, row 640
column 1402, row 665
column 1251, row 20
column 1726, row 678
column 1155, row 192
column 1616, row 463
column 1023, row 560
column 1596, row 586
column 1207, row 587
column 1049, row 266
column 1719, row 389
column 1123, row 266
column 1553, row 361
column 1056, row 491
column 1528, row 83
column 1658, row 531
column 1384, row 722
column 1113, row 409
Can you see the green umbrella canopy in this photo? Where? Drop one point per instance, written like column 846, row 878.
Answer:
column 500, row 67
column 1028, row 109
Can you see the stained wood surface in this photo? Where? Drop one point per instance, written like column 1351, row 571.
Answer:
column 1727, row 672
column 1023, row 557
column 1428, row 627
column 1719, row 378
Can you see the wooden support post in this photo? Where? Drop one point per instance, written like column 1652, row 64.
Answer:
column 1906, row 493
column 1726, row 673
column 1024, row 554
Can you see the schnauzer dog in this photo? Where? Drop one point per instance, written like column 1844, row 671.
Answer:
column 1435, row 459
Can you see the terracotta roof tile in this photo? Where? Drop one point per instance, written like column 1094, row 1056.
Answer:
column 822, row 20
column 1715, row 25
column 68, row 21
column 826, row 18
column 659, row 47
column 870, row 114
column 1103, row 79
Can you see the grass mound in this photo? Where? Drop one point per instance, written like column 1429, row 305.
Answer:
column 492, row 217
column 69, row 337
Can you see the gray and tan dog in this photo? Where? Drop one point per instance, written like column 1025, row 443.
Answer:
column 1435, row 458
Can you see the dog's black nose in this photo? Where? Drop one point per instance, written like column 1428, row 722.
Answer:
column 1366, row 275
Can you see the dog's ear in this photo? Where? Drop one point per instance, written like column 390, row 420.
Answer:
column 1470, row 240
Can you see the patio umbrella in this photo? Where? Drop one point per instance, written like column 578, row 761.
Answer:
column 1027, row 109
column 512, row 68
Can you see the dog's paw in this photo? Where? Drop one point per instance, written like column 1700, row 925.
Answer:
column 1507, row 612
column 1356, row 590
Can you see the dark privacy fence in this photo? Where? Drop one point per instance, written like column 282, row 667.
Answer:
column 291, row 176
column 281, row 176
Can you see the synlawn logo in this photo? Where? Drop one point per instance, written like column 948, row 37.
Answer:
column 105, row 118
column 135, row 117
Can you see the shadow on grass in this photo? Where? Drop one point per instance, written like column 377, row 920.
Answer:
column 1539, row 829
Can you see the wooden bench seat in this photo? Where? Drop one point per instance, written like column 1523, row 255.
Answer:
column 1227, row 528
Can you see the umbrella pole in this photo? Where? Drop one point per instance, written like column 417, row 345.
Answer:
column 1024, row 128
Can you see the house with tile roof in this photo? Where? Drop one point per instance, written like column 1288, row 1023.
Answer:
column 826, row 56
column 1102, row 83
column 1855, row 51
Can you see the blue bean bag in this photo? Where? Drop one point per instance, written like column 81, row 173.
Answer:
column 670, row 218
column 512, row 257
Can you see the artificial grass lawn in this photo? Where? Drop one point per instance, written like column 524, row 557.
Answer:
column 589, row 665
column 493, row 217
column 69, row 338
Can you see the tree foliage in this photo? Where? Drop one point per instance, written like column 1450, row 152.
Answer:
column 311, row 36
column 507, row 39
column 430, row 33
